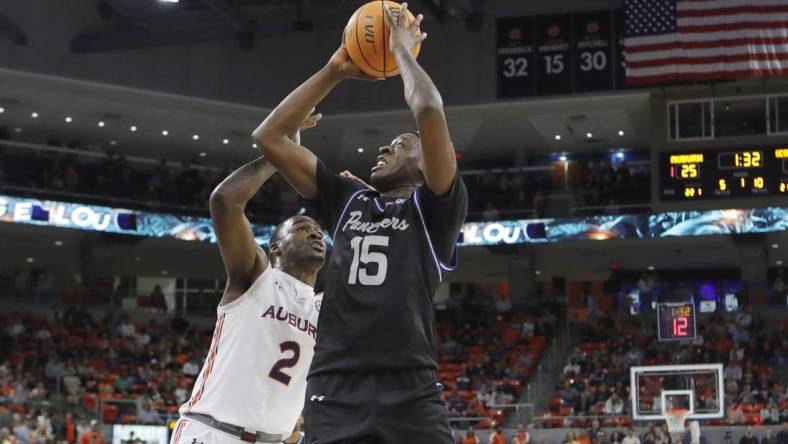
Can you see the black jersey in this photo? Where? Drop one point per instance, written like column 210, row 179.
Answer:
column 385, row 266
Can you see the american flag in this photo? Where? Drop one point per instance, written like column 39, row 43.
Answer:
column 668, row 40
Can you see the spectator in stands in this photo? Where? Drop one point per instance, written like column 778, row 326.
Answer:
column 92, row 435
column 157, row 299
column 497, row 436
column 748, row 437
column 146, row 415
column 594, row 430
column 521, row 436
column 782, row 435
column 503, row 304
column 614, row 405
column 470, row 437
column 631, row 437
column 572, row 367
column 5, row 436
column 779, row 288
column 767, row 436
column 571, row 438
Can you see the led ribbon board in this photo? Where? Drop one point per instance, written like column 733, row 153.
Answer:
column 604, row 227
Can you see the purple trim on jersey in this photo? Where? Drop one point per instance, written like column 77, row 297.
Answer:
column 378, row 205
column 452, row 264
column 426, row 232
column 347, row 204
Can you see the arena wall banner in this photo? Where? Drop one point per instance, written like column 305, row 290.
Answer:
column 633, row 226
column 605, row 227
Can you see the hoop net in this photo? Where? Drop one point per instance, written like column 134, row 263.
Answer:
column 675, row 417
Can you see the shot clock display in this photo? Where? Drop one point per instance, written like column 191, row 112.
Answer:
column 676, row 321
column 724, row 173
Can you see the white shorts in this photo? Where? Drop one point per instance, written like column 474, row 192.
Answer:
column 192, row 432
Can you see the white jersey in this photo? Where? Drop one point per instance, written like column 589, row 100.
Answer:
column 263, row 343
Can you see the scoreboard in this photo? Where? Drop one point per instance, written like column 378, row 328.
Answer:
column 676, row 321
column 708, row 174
column 560, row 54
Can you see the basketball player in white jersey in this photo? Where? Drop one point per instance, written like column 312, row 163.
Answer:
column 253, row 382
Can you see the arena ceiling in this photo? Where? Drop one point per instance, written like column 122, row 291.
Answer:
column 502, row 130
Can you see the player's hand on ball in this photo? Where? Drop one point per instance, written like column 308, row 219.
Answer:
column 347, row 69
column 402, row 36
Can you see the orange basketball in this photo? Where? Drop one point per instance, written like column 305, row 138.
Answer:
column 366, row 39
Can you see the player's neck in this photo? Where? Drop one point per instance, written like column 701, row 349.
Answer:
column 307, row 277
column 400, row 191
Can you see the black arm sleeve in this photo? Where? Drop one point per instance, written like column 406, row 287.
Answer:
column 332, row 192
column 444, row 216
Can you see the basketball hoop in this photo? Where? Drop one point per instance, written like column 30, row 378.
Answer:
column 675, row 417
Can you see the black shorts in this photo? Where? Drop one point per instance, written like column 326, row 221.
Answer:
column 376, row 408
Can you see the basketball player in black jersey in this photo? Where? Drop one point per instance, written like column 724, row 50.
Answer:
column 373, row 377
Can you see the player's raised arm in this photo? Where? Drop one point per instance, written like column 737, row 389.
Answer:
column 243, row 259
column 296, row 163
column 424, row 101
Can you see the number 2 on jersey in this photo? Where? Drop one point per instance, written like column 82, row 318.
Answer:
column 362, row 258
column 276, row 372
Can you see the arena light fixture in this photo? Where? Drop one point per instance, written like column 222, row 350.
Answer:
column 557, row 137
column 169, row 1
column 58, row 243
column 620, row 155
column 17, row 130
column 779, row 262
column 101, row 124
column 538, row 272
column 650, row 268
column 2, row 110
column 225, row 141
column 34, row 115
column 196, row 137
column 360, row 150
column 254, row 145
column 165, row 272
column 113, row 142
column 165, row 132
column 620, row 132
column 203, row 154
column 30, row 260
column 589, row 135
column 562, row 157
column 133, row 128
column 69, row 119
column 775, row 246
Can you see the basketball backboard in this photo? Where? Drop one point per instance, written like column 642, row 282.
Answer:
column 698, row 388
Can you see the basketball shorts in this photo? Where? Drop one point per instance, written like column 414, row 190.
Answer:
column 376, row 408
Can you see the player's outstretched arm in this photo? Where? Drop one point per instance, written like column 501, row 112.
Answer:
column 296, row 163
column 243, row 259
column 424, row 101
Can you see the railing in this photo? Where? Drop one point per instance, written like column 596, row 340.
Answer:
column 524, row 413
column 128, row 407
column 559, row 421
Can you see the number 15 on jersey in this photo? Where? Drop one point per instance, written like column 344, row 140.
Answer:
column 369, row 267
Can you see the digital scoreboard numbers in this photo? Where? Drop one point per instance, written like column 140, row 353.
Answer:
column 676, row 321
column 724, row 173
